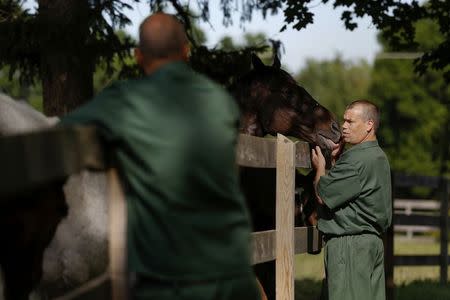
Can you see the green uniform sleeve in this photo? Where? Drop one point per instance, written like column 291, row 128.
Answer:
column 102, row 111
column 339, row 186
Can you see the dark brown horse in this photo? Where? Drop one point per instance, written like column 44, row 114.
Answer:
column 272, row 102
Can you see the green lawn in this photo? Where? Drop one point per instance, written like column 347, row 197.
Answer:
column 411, row 282
column 405, row 275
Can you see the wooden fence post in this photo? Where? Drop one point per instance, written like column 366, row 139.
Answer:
column 444, row 195
column 284, row 284
column 117, row 237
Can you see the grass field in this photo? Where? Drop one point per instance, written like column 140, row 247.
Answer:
column 412, row 283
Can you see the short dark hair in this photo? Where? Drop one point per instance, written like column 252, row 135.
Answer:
column 164, row 39
column 370, row 111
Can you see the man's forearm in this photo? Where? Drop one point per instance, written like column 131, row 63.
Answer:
column 319, row 172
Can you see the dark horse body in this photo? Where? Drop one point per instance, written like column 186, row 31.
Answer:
column 272, row 102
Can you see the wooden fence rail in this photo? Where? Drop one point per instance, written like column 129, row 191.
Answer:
column 440, row 220
column 416, row 216
column 35, row 159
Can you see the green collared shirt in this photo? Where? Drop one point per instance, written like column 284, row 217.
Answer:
column 174, row 134
column 357, row 192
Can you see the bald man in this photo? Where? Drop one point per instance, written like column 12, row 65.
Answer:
column 356, row 194
column 173, row 134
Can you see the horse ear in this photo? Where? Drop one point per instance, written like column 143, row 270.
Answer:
column 256, row 62
column 276, row 62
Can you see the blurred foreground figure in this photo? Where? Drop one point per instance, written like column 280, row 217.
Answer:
column 173, row 135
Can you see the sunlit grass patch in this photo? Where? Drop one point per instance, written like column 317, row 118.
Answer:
column 412, row 282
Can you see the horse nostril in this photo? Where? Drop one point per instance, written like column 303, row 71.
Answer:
column 335, row 126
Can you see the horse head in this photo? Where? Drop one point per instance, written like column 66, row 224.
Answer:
column 272, row 102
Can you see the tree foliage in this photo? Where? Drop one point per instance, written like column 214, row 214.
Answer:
column 415, row 122
column 62, row 42
column 395, row 18
column 335, row 83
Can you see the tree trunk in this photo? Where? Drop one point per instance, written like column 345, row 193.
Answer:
column 66, row 64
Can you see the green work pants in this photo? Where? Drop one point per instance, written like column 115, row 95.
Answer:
column 354, row 267
column 244, row 288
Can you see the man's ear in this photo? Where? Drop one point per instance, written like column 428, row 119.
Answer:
column 139, row 57
column 186, row 51
column 370, row 125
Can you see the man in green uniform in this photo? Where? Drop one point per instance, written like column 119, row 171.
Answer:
column 173, row 135
column 356, row 194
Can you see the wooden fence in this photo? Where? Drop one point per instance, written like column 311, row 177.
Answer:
column 38, row 158
column 441, row 221
column 419, row 208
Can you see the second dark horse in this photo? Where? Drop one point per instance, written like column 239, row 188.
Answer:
column 272, row 102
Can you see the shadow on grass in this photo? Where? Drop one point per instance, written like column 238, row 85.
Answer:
column 308, row 289
column 419, row 290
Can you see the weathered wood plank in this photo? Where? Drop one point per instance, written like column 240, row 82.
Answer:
column 34, row 159
column 284, row 221
column 260, row 152
column 117, row 237
column 95, row 289
column 263, row 246
column 302, row 155
column 306, row 240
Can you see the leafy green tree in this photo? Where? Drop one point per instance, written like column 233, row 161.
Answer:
column 250, row 40
column 227, row 43
column 415, row 110
column 11, row 86
column 61, row 42
column 335, row 83
column 396, row 19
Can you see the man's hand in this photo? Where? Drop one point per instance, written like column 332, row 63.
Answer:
column 318, row 162
column 337, row 151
